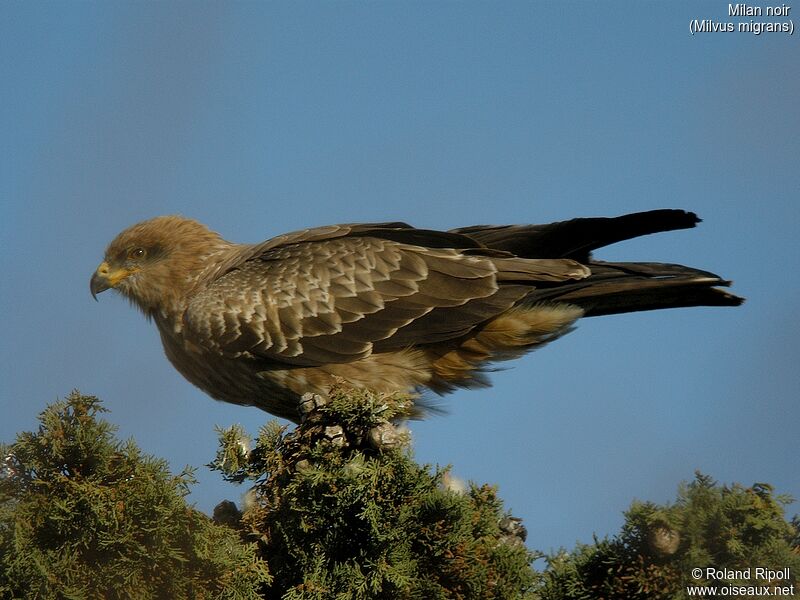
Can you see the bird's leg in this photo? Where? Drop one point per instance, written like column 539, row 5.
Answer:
column 385, row 435
column 310, row 404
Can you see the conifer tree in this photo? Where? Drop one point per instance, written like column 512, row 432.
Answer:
column 709, row 526
column 343, row 512
column 83, row 515
column 339, row 510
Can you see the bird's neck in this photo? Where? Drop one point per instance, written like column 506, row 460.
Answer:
column 178, row 279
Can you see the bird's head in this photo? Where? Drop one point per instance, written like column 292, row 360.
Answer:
column 156, row 262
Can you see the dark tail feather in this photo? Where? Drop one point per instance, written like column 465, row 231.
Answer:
column 612, row 287
column 577, row 238
column 628, row 287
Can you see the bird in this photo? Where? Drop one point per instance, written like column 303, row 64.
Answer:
column 382, row 306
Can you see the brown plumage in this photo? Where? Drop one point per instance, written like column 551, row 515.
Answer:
column 383, row 306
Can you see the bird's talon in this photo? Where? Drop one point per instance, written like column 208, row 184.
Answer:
column 385, row 435
column 310, row 403
column 335, row 435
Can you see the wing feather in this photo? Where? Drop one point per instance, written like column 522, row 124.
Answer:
column 337, row 294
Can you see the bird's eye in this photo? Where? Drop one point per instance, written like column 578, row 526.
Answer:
column 136, row 253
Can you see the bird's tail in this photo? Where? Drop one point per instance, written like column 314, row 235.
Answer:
column 612, row 287
column 577, row 238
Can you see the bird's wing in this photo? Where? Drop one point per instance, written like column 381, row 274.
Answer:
column 576, row 238
column 337, row 294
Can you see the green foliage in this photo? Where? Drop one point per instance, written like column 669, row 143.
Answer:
column 652, row 558
column 343, row 512
column 340, row 511
column 83, row 515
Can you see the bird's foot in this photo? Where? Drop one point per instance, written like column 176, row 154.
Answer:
column 385, row 435
column 310, row 404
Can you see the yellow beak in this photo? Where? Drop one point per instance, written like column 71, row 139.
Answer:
column 105, row 277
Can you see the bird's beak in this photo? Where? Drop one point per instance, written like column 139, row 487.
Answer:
column 105, row 277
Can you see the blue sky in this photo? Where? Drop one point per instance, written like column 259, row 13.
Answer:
column 262, row 118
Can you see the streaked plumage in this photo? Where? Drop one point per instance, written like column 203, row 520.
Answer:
column 383, row 306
